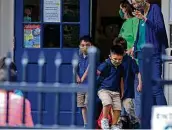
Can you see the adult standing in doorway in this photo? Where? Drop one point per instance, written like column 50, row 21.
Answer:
column 129, row 28
column 151, row 30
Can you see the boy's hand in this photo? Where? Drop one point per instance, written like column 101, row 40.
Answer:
column 78, row 80
column 82, row 79
column 139, row 88
column 122, row 95
column 84, row 75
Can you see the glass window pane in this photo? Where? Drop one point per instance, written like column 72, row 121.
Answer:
column 71, row 11
column 71, row 36
column 31, row 11
column 51, row 36
column 32, row 36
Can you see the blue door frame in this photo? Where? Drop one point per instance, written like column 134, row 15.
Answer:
column 49, row 53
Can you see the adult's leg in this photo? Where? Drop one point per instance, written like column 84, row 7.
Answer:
column 158, row 90
column 137, row 100
column 138, row 95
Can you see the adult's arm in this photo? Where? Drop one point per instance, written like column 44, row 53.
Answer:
column 157, row 23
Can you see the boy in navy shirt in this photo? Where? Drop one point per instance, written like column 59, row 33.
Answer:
column 111, row 86
column 130, row 70
column 85, row 43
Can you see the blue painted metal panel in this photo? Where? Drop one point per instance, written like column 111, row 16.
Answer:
column 50, row 54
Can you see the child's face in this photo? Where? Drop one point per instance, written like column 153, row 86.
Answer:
column 116, row 59
column 84, row 46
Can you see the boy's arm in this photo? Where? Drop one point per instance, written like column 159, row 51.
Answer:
column 122, row 87
column 101, row 72
column 78, row 80
column 122, row 83
column 85, row 74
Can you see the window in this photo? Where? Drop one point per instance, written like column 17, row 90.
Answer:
column 57, row 25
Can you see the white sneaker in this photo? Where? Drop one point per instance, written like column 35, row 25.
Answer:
column 105, row 124
column 115, row 127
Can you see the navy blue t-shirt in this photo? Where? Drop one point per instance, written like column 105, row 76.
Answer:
column 112, row 76
column 82, row 67
column 130, row 70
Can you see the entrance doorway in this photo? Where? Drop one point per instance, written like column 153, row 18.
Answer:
column 50, row 27
column 107, row 23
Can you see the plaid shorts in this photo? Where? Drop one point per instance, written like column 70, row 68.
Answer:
column 82, row 99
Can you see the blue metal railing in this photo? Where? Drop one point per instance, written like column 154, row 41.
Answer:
column 149, row 82
column 56, row 88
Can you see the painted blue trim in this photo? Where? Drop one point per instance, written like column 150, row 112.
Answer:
column 15, row 10
column 52, row 23
column 31, row 22
column 69, row 23
column 61, row 26
column 41, row 20
column 62, row 23
column 18, row 26
column 41, row 10
column 84, row 17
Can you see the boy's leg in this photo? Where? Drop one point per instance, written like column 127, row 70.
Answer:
column 84, row 109
column 104, row 96
column 129, row 107
column 123, row 120
column 123, row 112
column 115, row 116
column 81, row 104
column 84, row 115
column 116, row 102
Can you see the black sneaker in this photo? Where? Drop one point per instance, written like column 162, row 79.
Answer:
column 136, row 125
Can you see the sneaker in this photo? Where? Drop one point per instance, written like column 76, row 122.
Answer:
column 124, row 122
column 105, row 124
column 115, row 127
column 85, row 126
column 136, row 125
